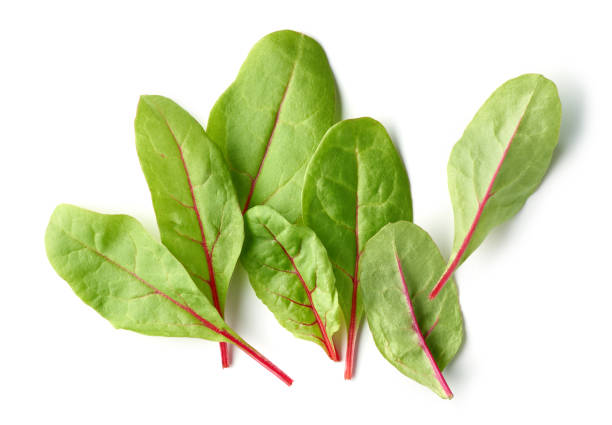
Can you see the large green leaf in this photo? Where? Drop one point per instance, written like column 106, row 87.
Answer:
column 500, row 160
column 419, row 337
column 195, row 202
column 117, row 268
column 270, row 120
column 355, row 184
column 290, row 272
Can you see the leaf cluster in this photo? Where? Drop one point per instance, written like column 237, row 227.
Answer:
column 319, row 213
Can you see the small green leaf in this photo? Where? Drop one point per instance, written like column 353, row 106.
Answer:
column 269, row 122
column 500, row 160
column 417, row 336
column 134, row 282
column 290, row 272
column 195, row 201
column 355, row 184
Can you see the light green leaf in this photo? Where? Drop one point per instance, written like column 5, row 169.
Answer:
column 270, row 120
column 355, row 184
column 500, row 160
column 290, row 272
column 419, row 337
column 195, row 202
column 134, row 282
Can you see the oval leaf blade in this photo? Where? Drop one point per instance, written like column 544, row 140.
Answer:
column 355, row 184
column 134, row 282
column 417, row 336
column 270, row 120
column 193, row 196
column 500, row 160
column 290, row 272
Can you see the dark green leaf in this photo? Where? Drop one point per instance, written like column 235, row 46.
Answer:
column 355, row 184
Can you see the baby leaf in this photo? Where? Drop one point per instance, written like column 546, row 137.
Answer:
column 270, row 120
column 290, row 272
column 355, row 184
column 195, row 202
column 417, row 336
column 500, row 160
column 134, row 282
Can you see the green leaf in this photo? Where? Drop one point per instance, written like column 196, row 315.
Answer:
column 290, row 272
column 355, row 184
column 417, row 336
column 500, row 160
column 134, row 282
column 270, row 120
column 195, row 202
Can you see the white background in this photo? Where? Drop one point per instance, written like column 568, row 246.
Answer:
column 536, row 295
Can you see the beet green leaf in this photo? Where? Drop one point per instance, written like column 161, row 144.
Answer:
column 270, row 120
column 400, row 265
column 500, row 160
column 355, row 184
column 117, row 268
column 193, row 196
column 290, row 272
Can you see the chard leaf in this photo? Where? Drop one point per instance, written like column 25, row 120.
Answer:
column 500, row 160
column 193, row 196
column 270, row 120
column 417, row 336
column 290, row 272
column 134, row 282
column 355, row 184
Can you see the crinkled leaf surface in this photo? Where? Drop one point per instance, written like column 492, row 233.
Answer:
column 290, row 272
column 117, row 268
column 355, row 184
column 500, row 160
column 270, row 120
column 400, row 265
column 195, row 202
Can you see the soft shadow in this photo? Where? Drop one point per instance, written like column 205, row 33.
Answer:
column 453, row 370
column 236, row 301
column 573, row 101
column 338, row 100
column 394, row 135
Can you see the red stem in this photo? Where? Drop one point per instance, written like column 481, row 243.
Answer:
column 329, row 345
column 455, row 263
column 421, row 340
column 258, row 357
column 225, row 361
column 352, row 337
column 352, row 332
column 268, row 143
column 240, row 344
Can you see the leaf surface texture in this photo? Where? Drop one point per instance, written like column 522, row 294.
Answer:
column 418, row 336
column 269, row 122
column 355, row 184
column 500, row 160
column 290, row 272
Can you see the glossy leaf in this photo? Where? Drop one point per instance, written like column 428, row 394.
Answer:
column 355, row 184
column 270, row 120
column 195, row 202
column 290, row 272
column 500, row 160
column 134, row 282
column 400, row 265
